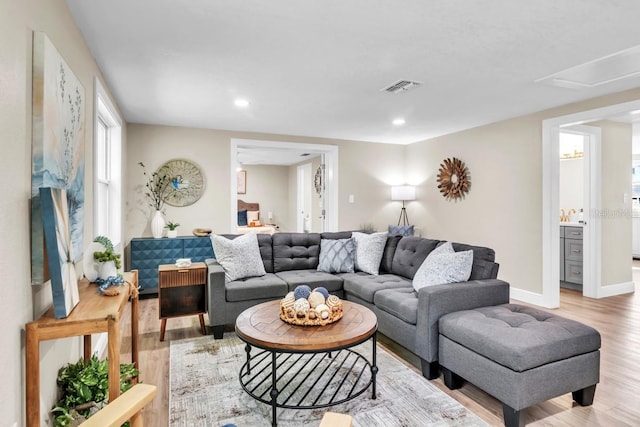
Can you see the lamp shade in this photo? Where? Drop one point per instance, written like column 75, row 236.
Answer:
column 403, row 192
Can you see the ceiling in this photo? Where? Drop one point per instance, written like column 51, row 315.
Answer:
column 316, row 68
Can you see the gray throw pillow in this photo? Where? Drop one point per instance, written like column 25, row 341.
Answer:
column 369, row 250
column 337, row 255
column 239, row 257
column 444, row 265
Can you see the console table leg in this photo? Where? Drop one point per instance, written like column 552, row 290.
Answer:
column 87, row 347
column 274, row 390
column 374, row 367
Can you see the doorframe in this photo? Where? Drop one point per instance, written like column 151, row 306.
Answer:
column 550, row 203
column 303, row 190
column 331, row 176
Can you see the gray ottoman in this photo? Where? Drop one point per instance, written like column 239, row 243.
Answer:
column 519, row 355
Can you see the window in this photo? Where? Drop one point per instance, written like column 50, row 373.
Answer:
column 107, row 168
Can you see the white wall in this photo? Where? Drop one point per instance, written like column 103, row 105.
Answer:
column 269, row 186
column 571, row 191
column 504, row 207
column 366, row 170
column 20, row 302
column 616, row 183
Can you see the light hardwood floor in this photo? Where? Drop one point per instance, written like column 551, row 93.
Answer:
column 617, row 400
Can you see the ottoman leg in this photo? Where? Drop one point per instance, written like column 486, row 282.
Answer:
column 218, row 331
column 451, row 380
column 584, row 397
column 430, row 370
column 511, row 416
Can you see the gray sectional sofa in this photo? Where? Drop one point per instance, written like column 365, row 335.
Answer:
column 408, row 317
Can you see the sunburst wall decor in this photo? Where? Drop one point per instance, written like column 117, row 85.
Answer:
column 453, row 179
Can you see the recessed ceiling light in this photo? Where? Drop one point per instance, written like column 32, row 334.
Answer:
column 241, row 103
column 398, row 122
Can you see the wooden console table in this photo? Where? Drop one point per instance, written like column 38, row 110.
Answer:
column 93, row 314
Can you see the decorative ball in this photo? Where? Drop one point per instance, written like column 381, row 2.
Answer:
column 323, row 311
column 323, row 291
column 288, row 300
column 301, row 291
column 315, row 299
column 301, row 304
column 333, row 302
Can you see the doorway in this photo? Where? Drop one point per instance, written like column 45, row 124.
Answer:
column 592, row 250
column 329, row 153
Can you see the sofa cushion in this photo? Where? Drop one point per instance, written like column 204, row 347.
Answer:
column 266, row 249
column 386, row 262
column 239, row 257
column 402, row 303
column 313, row 278
column 519, row 337
column 484, row 266
column 365, row 286
column 333, row 235
column 369, row 250
column 410, row 254
column 295, row 251
column 253, row 288
column 444, row 265
column 337, row 256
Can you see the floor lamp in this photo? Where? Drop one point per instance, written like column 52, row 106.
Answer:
column 403, row 193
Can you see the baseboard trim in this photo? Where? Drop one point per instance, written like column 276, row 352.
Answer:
column 529, row 297
column 617, row 289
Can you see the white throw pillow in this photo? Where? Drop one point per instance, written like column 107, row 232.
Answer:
column 239, row 257
column 369, row 251
column 444, row 265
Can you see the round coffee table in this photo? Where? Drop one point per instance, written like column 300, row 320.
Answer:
column 306, row 367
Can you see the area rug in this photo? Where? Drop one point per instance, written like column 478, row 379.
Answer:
column 205, row 391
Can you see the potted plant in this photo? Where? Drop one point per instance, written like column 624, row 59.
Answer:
column 84, row 389
column 108, row 259
column 172, row 231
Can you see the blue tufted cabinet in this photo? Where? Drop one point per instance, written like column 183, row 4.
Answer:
column 148, row 253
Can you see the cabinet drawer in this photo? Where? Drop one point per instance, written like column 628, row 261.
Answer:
column 177, row 277
column 572, row 250
column 573, row 232
column 573, row 272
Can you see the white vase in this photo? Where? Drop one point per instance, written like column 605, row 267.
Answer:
column 172, row 234
column 108, row 269
column 157, row 225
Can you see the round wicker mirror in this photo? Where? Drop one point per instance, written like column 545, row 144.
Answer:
column 453, row 179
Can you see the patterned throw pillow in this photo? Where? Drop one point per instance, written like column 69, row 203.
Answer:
column 239, row 257
column 369, row 250
column 337, row 256
column 401, row 230
column 444, row 265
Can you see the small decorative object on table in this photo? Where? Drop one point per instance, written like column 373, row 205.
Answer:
column 308, row 307
column 202, row 232
column 172, row 233
column 109, row 261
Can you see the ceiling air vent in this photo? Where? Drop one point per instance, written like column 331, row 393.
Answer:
column 400, row 86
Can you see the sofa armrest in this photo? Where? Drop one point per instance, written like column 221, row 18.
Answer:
column 436, row 301
column 216, row 294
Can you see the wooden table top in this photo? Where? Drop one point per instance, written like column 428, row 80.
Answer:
column 262, row 327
